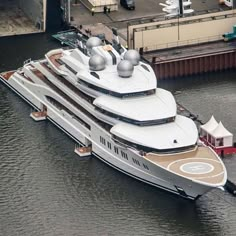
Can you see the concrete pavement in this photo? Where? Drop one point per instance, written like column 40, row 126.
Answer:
column 144, row 10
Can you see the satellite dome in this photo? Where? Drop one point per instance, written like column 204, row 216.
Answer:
column 125, row 68
column 132, row 56
column 93, row 42
column 97, row 62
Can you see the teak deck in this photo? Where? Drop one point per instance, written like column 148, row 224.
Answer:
column 53, row 58
column 198, row 158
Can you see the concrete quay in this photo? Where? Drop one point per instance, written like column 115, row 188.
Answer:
column 143, row 11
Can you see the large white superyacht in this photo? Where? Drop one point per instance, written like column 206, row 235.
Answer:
column 106, row 99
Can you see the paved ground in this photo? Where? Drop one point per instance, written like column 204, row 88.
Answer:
column 150, row 8
column 13, row 20
column 144, row 10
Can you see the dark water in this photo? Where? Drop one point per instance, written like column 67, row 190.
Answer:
column 45, row 189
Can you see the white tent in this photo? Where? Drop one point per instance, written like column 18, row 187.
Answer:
column 210, row 125
column 222, row 136
column 207, row 128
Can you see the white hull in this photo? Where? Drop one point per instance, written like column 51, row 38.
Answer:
column 121, row 159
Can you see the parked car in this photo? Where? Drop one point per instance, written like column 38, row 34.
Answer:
column 128, row 4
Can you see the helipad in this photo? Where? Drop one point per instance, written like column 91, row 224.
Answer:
column 197, row 168
column 200, row 164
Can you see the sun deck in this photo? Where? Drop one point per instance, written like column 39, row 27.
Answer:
column 54, row 58
column 68, row 99
column 200, row 164
column 6, row 75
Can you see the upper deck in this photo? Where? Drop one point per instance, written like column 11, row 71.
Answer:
column 76, row 65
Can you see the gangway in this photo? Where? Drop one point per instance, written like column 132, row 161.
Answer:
column 230, row 35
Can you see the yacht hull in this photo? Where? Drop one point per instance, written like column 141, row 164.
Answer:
column 124, row 159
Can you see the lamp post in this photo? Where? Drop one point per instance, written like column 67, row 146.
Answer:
column 180, row 14
column 178, row 24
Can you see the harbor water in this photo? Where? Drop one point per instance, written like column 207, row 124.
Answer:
column 46, row 189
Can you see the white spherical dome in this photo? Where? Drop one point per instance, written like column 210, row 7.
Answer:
column 125, row 68
column 93, row 42
column 132, row 56
column 97, row 62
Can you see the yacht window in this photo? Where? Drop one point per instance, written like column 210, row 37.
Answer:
column 62, row 107
column 68, row 99
column 113, row 57
column 109, row 145
column 136, row 161
column 71, row 69
column 59, row 61
column 102, row 140
column 145, row 67
column 95, row 74
column 116, row 150
column 136, row 122
column 149, row 149
column 115, row 94
column 72, row 87
column 145, row 166
column 123, row 154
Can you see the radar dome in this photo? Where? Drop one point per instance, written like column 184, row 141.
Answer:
column 97, row 62
column 125, row 68
column 132, row 56
column 93, row 42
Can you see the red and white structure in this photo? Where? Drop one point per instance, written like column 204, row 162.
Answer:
column 214, row 134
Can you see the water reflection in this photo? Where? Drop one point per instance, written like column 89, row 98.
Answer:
column 206, row 95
